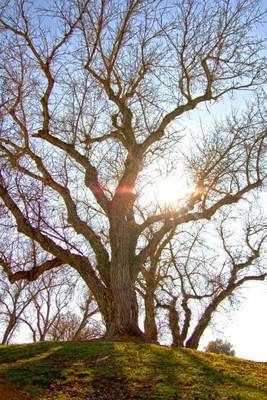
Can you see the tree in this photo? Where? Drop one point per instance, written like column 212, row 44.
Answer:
column 50, row 297
column 148, row 283
column 44, row 307
column 220, row 347
column 205, row 267
column 92, row 94
column 66, row 326
column 70, row 325
column 14, row 299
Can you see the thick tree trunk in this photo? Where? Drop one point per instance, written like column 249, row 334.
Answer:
column 122, row 316
column 115, row 294
column 118, row 306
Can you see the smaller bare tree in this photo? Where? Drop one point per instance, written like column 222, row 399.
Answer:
column 193, row 273
column 51, row 295
column 153, row 273
column 14, row 300
column 242, row 261
column 71, row 325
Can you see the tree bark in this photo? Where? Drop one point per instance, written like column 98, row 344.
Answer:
column 204, row 321
column 174, row 325
column 122, row 315
column 8, row 330
column 151, row 332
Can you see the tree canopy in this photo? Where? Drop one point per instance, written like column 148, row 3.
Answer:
column 96, row 101
column 220, row 347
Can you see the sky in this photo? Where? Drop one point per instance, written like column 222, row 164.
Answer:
column 247, row 330
column 246, row 327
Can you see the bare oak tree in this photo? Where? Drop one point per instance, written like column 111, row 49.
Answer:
column 91, row 96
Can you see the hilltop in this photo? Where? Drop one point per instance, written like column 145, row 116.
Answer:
column 124, row 371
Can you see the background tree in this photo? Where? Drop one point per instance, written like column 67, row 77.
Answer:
column 73, row 325
column 198, row 270
column 220, row 347
column 17, row 299
column 92, row 94
column 153, row 273
column 51, row 296
column 14, row 299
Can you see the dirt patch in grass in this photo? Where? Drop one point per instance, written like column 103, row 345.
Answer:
column 9, row 393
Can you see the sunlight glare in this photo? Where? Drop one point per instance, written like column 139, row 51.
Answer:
column 170, row 190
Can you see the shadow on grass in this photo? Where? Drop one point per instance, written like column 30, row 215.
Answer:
column 81, row 370
column 173, row 377
column 96, row 374
column 187, row 375
column 13, row 353
column 29, row 367
column 226, row 380
column 125, row 371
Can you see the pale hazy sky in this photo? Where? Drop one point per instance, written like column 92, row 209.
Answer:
column 248, row 331
column 246, row 327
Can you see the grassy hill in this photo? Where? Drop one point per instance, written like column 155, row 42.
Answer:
column 125, row 371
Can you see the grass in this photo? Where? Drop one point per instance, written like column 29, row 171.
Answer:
column 125, row 371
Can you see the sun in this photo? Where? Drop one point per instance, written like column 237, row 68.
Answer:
column 170, row 191
column 166, row 191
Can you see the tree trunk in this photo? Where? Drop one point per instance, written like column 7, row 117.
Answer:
column 115, row 295
column 194, row 339
column 151, row 332
column 10, row 327
column 122, row 316
column 204, row 321
column 174, row 325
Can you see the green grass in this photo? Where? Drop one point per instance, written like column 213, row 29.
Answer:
column 125, row 371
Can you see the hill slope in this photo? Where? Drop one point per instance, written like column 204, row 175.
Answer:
column 125, row 371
